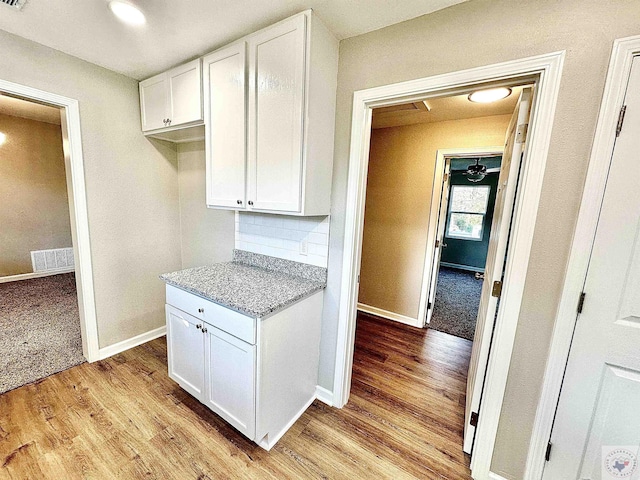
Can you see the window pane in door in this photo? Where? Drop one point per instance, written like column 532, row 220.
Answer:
column 469, row 199
column 465, row 225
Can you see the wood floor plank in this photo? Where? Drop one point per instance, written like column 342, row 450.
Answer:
column 124, row 418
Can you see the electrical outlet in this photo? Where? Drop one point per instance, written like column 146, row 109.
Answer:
column 304, row 247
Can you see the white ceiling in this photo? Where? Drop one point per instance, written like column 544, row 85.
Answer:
column 17, row 107
column 442, row 109
column 180, row 30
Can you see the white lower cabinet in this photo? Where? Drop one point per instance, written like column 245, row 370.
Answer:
column 259, row 381
column 230, row 372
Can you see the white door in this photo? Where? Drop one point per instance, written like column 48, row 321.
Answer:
column 154, row 102
column 185, row 351
column 225, row 106
column 505, row 197
column 231, row 379
column 276, row 106
column 442, row 221
column 597, row 427
column 185, row 93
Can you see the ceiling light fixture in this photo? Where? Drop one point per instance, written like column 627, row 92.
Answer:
column 3, row 138
column 490, row 95
column 476, row 173
column 128, row 13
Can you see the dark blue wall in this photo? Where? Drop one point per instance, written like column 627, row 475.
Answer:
column 471, row 253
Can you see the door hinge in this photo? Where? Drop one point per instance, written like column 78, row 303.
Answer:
column 446, row 177
column 429, row 304
column 521, row 133
column 623, row 110
column 437, row 243
column 581, row 302
column 547, row 454
column 358, row 281
column 496, row 291
column 473, row 421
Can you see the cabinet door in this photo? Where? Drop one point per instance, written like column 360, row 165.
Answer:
column 230, row 384
column 185, row 93
column 185, row 349
column 276, row 108
column 154, row 108
column 225, row 107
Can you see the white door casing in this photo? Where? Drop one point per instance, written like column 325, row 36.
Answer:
column 276, row 108
column 225, row 125
column 498, row 241
column 598, row 405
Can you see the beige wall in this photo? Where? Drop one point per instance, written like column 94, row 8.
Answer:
column 34, row 208
column 483, row 32
column 399, row 189
column 132, row 185
column 207, row 235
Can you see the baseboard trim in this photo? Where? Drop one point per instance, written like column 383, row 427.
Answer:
column 495, row 476
column 324, row 395
column 268, row 443
column 396, row 317
column 120, row 347
column 28, row 276
column 462, row 267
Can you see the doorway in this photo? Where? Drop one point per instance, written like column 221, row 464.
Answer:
column 78, row 218
column 544, row 71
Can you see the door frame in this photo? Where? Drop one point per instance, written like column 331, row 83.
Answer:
column 546, row 71
column 622, row 54
column 442, row 155
column 74, row 166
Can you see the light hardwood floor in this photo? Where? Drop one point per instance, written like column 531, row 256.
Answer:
column 124, row 418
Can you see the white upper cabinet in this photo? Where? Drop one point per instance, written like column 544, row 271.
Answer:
column 272, row 149
column 172, row 99
column 225, row 98
column 276, row 108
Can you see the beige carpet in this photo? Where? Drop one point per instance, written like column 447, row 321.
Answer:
column 39, row 329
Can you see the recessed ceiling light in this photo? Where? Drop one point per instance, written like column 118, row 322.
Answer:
column 3, row 138
column 491, row 95
column 128, row 13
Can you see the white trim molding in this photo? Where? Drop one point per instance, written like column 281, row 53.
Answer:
column 74, row 163
column 132, row 342
column 29, row 276
column 396, row 317
column 495, row 476
column 324, row 395
column 615, row 88
column 545, row 71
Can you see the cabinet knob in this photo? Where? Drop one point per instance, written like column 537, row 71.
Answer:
column 168, row 121
column 239, row 202
column 198, row 326
column 204, row 330
column 250, row 202
column 201, row 310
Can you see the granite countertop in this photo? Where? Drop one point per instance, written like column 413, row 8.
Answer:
column 252, row 284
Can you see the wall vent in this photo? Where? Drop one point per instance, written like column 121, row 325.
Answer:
column 55, row 259
column 17, row 4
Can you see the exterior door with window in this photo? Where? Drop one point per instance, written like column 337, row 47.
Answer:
column 596, row 434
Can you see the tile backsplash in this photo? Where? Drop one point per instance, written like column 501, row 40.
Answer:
column 284, row 236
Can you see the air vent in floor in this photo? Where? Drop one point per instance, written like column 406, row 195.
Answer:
column 55, row 259
column 18, row 4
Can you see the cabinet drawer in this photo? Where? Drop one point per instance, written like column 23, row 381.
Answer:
column 225, row 319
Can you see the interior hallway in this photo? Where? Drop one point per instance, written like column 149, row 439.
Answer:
column 124, row 418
